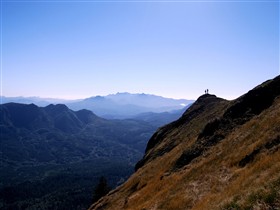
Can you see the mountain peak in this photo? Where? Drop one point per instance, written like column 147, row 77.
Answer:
column 206, row 96
column 58, row 108
column 200, row 112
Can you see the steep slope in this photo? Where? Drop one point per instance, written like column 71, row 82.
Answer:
column 219, row 155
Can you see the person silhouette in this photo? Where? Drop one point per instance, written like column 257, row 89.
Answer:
column 207, row 91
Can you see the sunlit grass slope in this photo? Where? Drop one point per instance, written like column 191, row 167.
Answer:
column 219, row 155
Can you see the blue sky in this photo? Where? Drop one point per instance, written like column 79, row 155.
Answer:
column 78, row 49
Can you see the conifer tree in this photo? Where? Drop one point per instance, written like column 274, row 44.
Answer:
column 101, row 189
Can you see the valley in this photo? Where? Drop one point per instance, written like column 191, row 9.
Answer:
column 50, row 152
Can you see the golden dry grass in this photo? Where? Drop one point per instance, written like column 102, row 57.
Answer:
column 214, row 180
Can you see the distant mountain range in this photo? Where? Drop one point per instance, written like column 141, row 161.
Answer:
column 54, row 150
column 114, row 106
column 35, row 100
column 160, row 119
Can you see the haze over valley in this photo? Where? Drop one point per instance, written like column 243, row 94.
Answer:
column 113, row 106
column 139, row 105
column 42, row 145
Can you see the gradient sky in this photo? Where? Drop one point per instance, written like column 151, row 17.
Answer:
column 78, row 49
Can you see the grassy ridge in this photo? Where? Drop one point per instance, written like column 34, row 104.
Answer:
column 237, row 165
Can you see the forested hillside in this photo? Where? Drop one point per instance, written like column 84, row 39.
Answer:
column 53, row 157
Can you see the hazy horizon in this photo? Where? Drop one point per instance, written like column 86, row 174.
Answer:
column 93, row 96
column 80, row 49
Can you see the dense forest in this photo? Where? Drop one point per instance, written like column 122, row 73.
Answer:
column 53, row 157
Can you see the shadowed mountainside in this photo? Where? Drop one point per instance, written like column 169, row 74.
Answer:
column 219, row 155
column 56, row 151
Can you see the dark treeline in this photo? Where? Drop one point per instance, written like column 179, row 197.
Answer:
column 61, row 191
